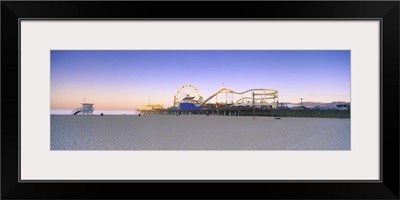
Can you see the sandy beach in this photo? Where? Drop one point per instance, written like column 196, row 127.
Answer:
column 197, row 132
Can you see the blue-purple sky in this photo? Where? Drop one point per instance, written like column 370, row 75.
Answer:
column 127, row 79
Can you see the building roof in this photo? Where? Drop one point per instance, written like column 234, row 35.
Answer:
column 188, row 98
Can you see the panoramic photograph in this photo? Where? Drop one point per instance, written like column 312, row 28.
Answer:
column 200, row 100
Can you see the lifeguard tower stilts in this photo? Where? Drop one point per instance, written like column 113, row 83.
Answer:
column 86, row 109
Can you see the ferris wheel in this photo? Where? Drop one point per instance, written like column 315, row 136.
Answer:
column 187, row 90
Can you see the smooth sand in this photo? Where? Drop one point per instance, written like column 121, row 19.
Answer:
column 197, row 132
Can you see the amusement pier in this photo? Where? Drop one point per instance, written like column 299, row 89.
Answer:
column 251, row 102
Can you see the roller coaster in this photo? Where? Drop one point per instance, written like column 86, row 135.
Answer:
column 265, row 94
column 191, row 98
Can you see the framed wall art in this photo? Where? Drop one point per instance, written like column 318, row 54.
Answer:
column 278, row 95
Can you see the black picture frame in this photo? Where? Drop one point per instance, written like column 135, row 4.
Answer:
column 386, row 11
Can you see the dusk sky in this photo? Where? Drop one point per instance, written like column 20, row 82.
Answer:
column 127, row 79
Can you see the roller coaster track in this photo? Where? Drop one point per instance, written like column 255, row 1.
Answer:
column 254, row 98
column 272, row 93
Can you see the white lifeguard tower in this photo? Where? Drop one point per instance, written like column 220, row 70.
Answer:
column 86, row 109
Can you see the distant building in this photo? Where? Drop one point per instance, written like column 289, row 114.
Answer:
column 287, row 105
column 188, row 103
column 343, row 106
column 188, row 100
column 150, row 107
